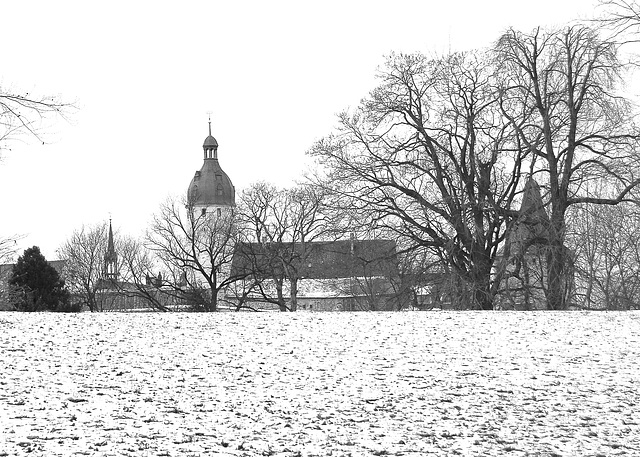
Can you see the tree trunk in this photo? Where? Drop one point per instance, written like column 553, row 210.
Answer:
column 555, row 267
column 92, row 303
column 213, row 304
column 526, row 284
column 294, row 294
column 556, row 261
column 481, row 280
column 281, row 303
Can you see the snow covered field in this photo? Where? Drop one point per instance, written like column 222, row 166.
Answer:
column 340, row 384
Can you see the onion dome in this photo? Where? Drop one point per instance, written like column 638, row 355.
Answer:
column 210, row 142
column 211, row 186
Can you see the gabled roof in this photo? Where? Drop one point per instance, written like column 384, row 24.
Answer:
column 317, row 260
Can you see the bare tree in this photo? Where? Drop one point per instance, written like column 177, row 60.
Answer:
column 199, row 246
column 309, row 222
column 8, row 248
column 24, row 114
column 84, row 254
column 607, row 247
column 622, row 18
column 560, row 91
column 137, row 281
column 281, row 226
column 260, row 214
column 429, row 156
column 424, row 282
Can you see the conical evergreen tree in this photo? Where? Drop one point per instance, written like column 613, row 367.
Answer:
column 36, row 285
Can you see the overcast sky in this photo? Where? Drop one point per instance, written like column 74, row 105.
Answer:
column 145, row 74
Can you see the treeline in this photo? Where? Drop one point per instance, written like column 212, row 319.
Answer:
column 439, row 153
column 435, row 158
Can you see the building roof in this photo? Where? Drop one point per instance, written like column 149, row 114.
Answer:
column 530, row 231
column 210, row 142
column 532, row 209
column 321, row 260
column 211, row 186
column 532, row 226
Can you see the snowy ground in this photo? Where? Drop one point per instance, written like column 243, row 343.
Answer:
column 340, row 384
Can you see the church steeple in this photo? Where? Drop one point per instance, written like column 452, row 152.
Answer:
column 110, row 258
column 210, row 189
column 210, row 145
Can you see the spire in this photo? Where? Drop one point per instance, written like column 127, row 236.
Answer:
column 209, row 124
column 532, row 209
column 110, row 248
column 533, row 222
column 110, row 257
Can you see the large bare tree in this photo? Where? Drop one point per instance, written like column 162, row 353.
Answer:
column 429, row 156
column 560, row 90
column 280, row 226
column 84, row 253
column 259, row 211
column 196, row 246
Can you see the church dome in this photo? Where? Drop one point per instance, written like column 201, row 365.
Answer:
column 211, row 186
column 210, row 142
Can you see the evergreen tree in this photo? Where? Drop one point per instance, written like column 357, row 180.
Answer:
column 36, row 285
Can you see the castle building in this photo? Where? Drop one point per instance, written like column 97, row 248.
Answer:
column 210, row 190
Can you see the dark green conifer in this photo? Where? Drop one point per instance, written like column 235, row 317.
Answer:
column 36, row 285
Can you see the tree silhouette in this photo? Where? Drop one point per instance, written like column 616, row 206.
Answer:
column 36, row 285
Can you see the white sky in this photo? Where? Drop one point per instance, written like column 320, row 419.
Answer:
column 144, row 75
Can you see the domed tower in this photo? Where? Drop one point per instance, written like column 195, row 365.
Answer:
column 211, row 189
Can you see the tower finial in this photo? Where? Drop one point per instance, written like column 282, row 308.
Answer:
column 209, row 113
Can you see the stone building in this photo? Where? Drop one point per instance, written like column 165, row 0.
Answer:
column 524, row 256
column 344, row 275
